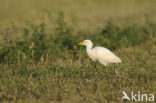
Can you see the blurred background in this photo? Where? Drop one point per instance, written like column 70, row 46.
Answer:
column 86, row 14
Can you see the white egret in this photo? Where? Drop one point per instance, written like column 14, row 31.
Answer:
column 101, row 54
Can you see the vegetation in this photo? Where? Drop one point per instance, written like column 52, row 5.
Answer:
column 37, row 65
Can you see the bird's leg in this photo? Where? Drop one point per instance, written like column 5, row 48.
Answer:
column 105, row 69
column 95, row 64
column 115, row 69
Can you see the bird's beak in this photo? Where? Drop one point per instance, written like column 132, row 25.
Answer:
column 81, row 43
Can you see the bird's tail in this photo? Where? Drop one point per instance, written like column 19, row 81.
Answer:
column 118, row 60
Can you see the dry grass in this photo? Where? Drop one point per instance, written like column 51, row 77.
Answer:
column 89, row 14
column 42, row 63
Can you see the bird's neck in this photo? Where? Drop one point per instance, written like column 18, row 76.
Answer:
column 88, row 49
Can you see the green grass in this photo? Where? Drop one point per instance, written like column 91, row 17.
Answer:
column 42, row 67
column 40, row 60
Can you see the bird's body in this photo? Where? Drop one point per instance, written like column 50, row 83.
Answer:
column 103, row 55
column 100, row 54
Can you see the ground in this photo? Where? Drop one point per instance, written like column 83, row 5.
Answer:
column 40, row 60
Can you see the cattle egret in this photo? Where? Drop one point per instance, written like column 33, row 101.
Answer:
column 101, row 54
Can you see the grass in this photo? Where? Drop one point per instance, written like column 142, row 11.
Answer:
column 87, row 15
column 42, row 67
column 46, row 65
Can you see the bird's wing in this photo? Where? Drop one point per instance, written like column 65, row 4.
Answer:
column 106, row 55
column 103, row 51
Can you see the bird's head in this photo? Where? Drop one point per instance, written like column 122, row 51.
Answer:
column 87, row 43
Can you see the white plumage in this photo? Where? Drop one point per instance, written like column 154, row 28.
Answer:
column 101, row 54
